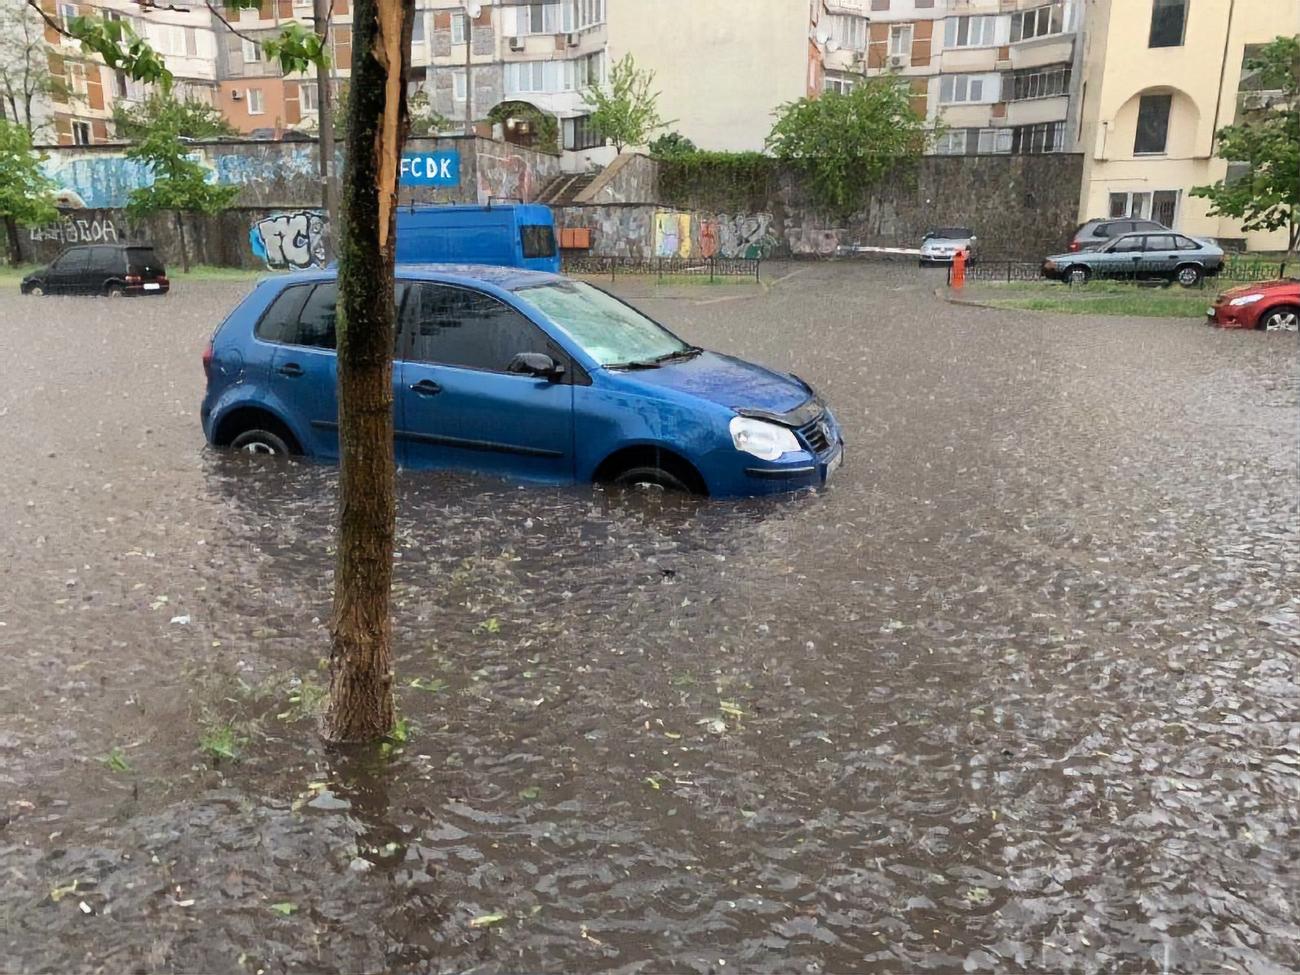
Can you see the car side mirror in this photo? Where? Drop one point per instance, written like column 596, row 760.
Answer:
column 536, row 364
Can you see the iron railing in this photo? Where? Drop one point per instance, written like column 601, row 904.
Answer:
column 711, row 268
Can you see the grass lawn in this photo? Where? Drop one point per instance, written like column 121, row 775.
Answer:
column 1098, row 298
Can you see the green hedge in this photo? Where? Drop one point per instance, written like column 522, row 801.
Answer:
column 718, row 180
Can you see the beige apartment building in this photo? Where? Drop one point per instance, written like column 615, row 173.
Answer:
column 1160, row 77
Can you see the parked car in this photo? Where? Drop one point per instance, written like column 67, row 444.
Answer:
column 100, row 269
column 1271, row 306
column 1092, row 235
column 512, row 234
column 523, row 374
column 1164, row 255
column 939, row 245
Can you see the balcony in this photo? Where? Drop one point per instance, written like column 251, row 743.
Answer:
column 1041, row 51
column 1037, row 110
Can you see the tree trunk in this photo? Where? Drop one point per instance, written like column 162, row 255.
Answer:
column 361, row 676
column 185, row 254
column 11, row 236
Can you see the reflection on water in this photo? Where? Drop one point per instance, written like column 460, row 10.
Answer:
column 1017, row 692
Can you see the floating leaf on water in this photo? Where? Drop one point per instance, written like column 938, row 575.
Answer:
column 63, row 890
column 486, row 920
column 284, row 908
column 531, row 793
column 116, row 761
column 653, row 782
column 731, row 708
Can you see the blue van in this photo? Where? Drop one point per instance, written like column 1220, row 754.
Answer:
column 509, row 234
column 523, row 375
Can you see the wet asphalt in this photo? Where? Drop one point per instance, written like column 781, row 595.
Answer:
column 1017, row 692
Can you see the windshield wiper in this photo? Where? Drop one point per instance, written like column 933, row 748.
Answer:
column 686, row 353
column 634, row 364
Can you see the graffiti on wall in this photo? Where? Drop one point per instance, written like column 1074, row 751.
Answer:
column 77, row 230
column 713, row 235
column 291, row 241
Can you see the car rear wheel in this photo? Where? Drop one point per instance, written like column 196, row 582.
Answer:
column 1189, row 275
column 1283, row 319
column 260, row 442
column 1077, row 274
column 114, row 291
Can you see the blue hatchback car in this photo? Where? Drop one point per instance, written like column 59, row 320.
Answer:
column 522, row 374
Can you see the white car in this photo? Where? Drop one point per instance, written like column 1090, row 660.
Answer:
column 939, row 245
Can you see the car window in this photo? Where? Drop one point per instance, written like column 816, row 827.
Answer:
column 288, row 322
column 317, row 320
column 1104, row 230
column 143, row 260
column 1127, row 245
column 1186, row 243
column 453, row 326
column 608, row 330
column 538, row 240
column 1160, row 242
column 77, row 259
column 280, row 322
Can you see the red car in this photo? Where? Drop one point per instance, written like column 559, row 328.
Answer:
column 1271, row 306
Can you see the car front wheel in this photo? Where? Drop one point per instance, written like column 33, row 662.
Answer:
column 34, row 289
column 1078, row 274
column 260, row 442
column 1284, row 319
column 651, row 479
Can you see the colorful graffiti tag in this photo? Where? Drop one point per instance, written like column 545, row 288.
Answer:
column 291, row 241
column 77, row 230
column 746, row 235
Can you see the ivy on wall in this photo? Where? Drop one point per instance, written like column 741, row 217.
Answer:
column 730, row 181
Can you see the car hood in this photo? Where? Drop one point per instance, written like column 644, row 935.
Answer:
column 935, row 243
column 726, row 381
column 1263, row 286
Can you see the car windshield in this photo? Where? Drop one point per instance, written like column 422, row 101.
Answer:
column 612, row 333
column 952, row 233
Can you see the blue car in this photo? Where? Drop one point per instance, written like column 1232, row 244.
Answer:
column 522, row 374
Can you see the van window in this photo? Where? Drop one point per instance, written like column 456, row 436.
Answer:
column 538, row 240
column 458, row 327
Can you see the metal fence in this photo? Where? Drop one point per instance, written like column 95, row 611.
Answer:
column 711, row 268
column 1235, row 270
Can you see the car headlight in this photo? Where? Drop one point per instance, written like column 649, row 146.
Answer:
column 764, row 440
column 1245, row 300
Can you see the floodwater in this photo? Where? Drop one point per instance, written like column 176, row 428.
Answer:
column 1017, row 692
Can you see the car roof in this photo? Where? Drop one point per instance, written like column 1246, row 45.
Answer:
column 496, row 275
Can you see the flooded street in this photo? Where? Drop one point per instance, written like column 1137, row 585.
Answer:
column 1018, row 691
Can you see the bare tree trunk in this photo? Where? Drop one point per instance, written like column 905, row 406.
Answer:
column 361, row 676
column 11, row 235
column 325, row 128
column 185, row 254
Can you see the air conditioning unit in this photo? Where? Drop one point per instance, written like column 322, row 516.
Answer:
column 898, row 60
column 571, row 39
column 236, row 94
column 516, row 43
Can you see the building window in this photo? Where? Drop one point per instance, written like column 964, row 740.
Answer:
column 900, row 40
column 1039, row 22
column 81, row 133
column 308, row 97
column 579, row 133
column 951, row 143
column 458, row 87
column 590, row 13
column 956, row 89
column 848, row 31
column 1039, row 83
column 417, row 28
column 67, row 11
column 841, row 86
column 995, row 141
column 879, row 4
column 1168, row 23
column 1152, row 124
column 458, row 28
column 252, row 52
column 255, row 104
column 1044, row 137
column 539, row 18
column 77, row 79
column 970, row 32
column 120, row 84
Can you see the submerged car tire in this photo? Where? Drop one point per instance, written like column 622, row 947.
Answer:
column 1077, row 274
column 1189, row 275
column 1284, row 318
column 35, row 289
column 114, row 291
column 651, row 479
column 261, row 441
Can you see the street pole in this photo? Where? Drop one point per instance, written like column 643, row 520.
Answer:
column 325, row 116
column 469, row 82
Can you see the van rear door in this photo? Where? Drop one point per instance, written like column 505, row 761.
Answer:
column 537, row 246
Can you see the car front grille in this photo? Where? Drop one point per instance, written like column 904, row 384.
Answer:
column 816, row 435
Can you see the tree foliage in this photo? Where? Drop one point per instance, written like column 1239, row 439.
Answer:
column 1267, row 137
column 189, row 117
column 26, row 194
column 670, row 145
column 424, row 120
column 846, row 143
column 25, row 77
column 628, row 111
column 544, row 125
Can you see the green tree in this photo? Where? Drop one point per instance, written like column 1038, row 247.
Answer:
column 1267, row 139
column 26, row 194
column 672, row 144
column 25, row 77
column 361, row 705
column 189, row 118
column 628, row 111
column 846, row 143
column 180, row 184
column 424, row 120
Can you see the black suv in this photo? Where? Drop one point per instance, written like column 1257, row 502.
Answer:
column 100, row 269
column 1095, row 232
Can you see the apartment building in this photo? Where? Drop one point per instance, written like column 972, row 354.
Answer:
column 996, row 76
column 82, row 108
column 1160, row 77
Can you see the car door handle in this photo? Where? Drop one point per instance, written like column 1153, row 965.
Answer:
column 426, row 387
column 290, row 369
